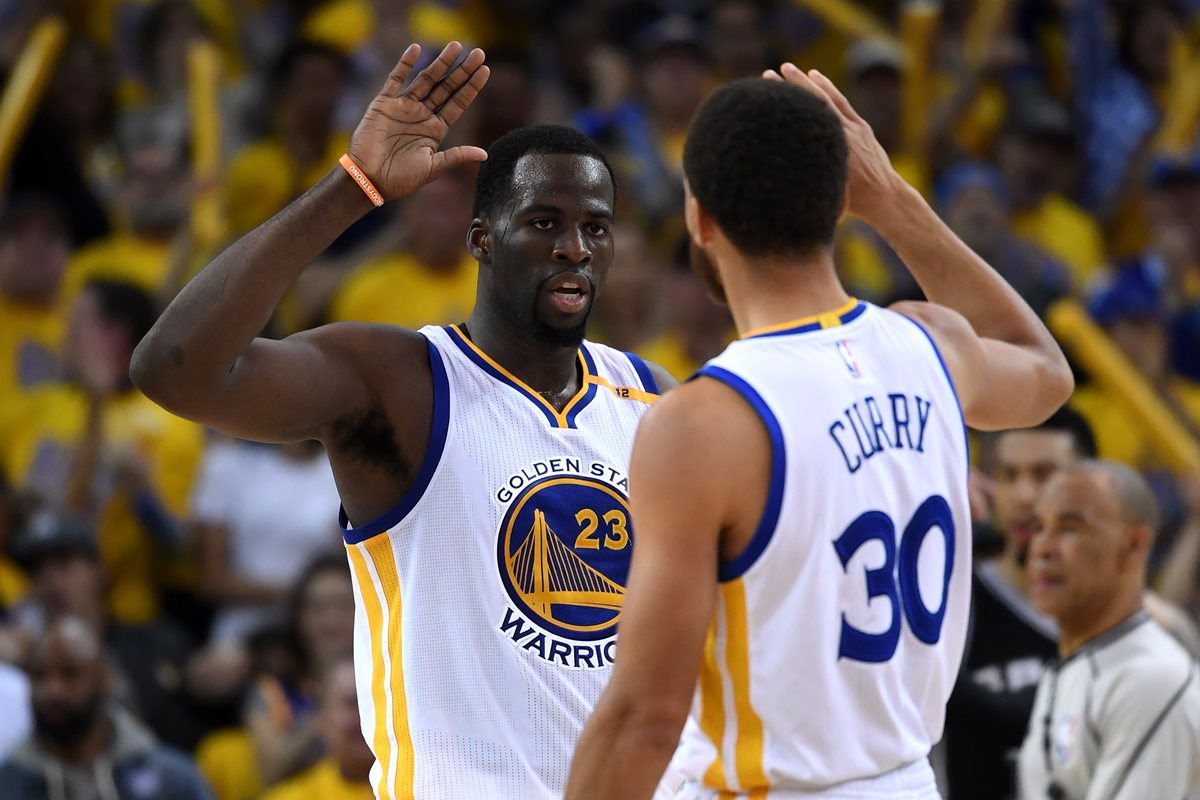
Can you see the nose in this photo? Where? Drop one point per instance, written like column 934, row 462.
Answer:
column 572, row 248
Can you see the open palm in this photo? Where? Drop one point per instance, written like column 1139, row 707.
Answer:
column 396, row 143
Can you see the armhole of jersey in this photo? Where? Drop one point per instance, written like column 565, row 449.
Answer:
column 429, row 463
column 644, row 374
column 735, row 568
column 953, row 389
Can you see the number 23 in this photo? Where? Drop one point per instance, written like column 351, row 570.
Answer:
column 615, row 538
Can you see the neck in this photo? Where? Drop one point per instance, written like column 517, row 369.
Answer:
column 770, row 292
column 1011, row 570
column 87, row 747
column 353, row 772
column 548, row 369
column 1075, row 633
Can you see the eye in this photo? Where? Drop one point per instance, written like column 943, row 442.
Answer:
column 597, row 230
column 542, row 223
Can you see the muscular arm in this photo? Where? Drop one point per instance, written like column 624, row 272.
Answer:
column 202, row 360
column 682, row 498
column 1009, row 371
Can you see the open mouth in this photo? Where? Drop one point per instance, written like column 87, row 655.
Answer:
column 568, row 292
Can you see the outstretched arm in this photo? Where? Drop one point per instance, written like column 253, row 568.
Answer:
column 202, row 359
column 1009, row 371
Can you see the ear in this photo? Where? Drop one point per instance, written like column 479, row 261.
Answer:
column 478, row 243
column 700, row 225
column 1135, row 549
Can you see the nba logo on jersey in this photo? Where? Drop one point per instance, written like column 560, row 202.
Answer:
column 848, row 356
column 563, row 554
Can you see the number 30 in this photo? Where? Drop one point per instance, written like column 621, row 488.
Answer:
column 898, row 582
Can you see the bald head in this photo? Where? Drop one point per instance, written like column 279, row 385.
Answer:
column 1136, row 503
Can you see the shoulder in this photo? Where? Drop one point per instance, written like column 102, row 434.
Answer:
column 180, row 777
column 663, row 380
column 704, row 417
column 1142, row 673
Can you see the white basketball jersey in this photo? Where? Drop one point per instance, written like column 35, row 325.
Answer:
column 488, row 598
column 838, row 632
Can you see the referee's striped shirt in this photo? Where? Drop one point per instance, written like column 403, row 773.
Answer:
column 1117, row 720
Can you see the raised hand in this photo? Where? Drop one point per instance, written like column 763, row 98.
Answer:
column 396, row 143
column 872, row 181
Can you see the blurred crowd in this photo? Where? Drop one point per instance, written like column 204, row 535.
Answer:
column 188, row 591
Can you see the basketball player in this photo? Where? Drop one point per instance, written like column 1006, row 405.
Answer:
column 481, row 466
column 804, row 540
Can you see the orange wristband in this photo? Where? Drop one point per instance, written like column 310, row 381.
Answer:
column 361, row 179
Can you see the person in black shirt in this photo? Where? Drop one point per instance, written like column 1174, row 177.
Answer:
column 1009, row 641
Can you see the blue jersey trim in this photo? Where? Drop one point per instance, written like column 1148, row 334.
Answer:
column 953, row 390
column 644, row 374
column 433, row 456
column 730, row 570
column 849, row 316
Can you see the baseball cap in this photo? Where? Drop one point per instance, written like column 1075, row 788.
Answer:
column 49, row 533
column 870, row 54
column 1168, row 170
column 671, row 32
column 1132, row 294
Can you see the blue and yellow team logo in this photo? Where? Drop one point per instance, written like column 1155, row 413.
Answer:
column 563, row 552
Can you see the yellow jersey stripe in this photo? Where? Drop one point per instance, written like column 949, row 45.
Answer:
column 627, row 392
column 559, row 417
column 380, row 550
column 826, row 319
column 380, row 743
column 712, row 709
column 748, row 753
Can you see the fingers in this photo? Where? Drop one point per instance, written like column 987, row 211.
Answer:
column 455, row 157
column 797, row 77
column 833, row 93
column 429, row 77
column 772, row 75
column 460, row 100
column 451, row 83
column 395, row 80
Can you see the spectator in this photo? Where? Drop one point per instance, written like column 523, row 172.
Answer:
column 344, row 772
column 155, row 193
column 1119, row 715
column 1010, row 641
column 697, row 326
column 739, row 39
column 82, row 746
column 1036, row 155
column 262, row 513
column 1132, row 311
column 976, row 204
column 280, row 715
column 306, row 84
column 14, row 584
column 97, row 446
column 34, row 246
column 629, row 312
column 1172, row 262
column 148, row 664
column 1120, row 52
column 432, row 280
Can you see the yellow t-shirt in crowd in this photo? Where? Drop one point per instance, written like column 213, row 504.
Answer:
column 14, row 583
column 344, row 25
column 399, row 290
column 30, row 342
column 39, row 441
column 670, row 352
column 323, row 780
column 121, row 256
column 263, row 178
column 1119, row 436
column 1067, row 232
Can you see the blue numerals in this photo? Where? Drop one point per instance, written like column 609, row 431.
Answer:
column 897, row 579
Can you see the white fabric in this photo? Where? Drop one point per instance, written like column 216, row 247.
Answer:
column 279, row 513
column 15, row 709
column 853, row 466
column 490, row 692
column 1125, row 722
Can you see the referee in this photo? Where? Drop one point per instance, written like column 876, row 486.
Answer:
column 1118, row 716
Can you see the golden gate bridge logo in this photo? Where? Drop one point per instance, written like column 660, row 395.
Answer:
column 564, row 550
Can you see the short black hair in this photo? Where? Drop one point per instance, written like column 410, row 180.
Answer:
column 496, row 174
column 126, row 304
column 1066, row 420
column 768, row 161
